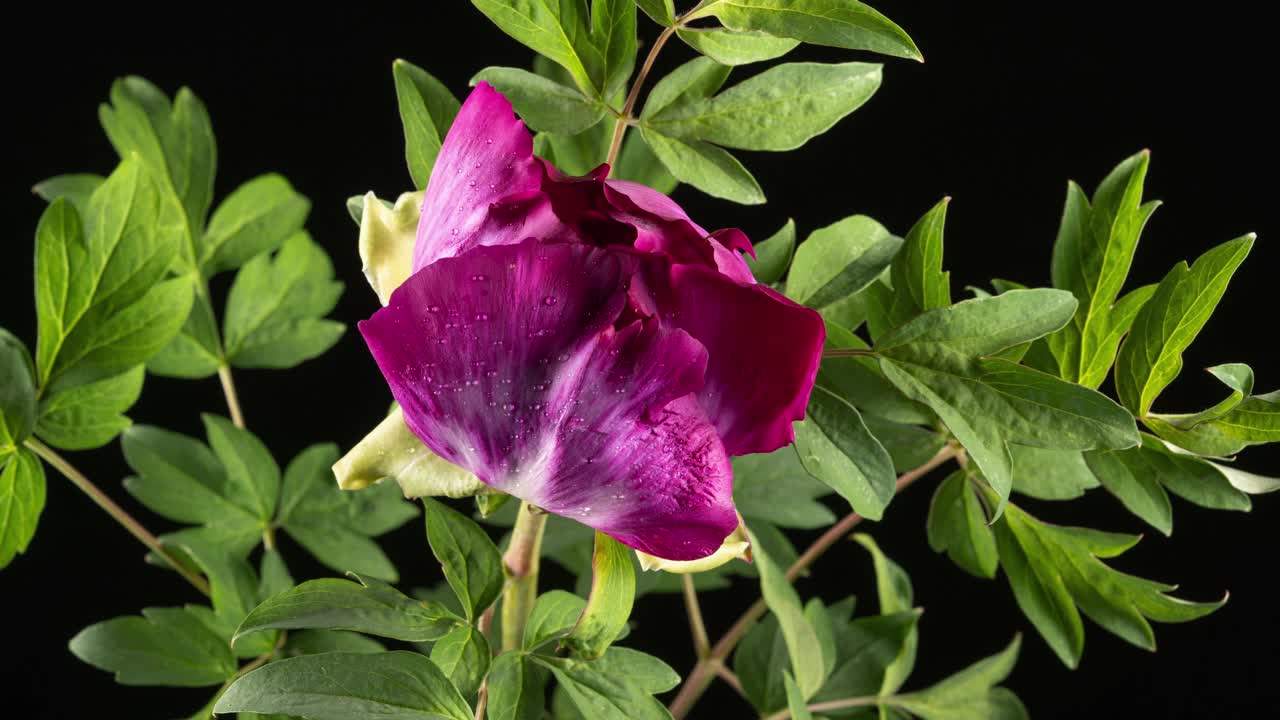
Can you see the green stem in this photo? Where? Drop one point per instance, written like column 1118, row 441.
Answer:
column 521, row 562
column 224, row 367
column 847, row 352
column 628, row 109
column 696, row 683
column 701, row 643
column 115, row 511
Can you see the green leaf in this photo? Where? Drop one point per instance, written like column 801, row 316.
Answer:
column 256, row 217
column 175, row 141
column 17, row 393
column 663, row 12
column 989, row 403
column 464, row 656
column 893, row 587
column 729, row 47
column 554, row 614
column 1191, row 479
column 101, row 304
column 689, row 84
column 368, row 606
column 799, row 636
column 427, row 109
column 91, row 415
column 76, row 188
column 604, row 690
column 613, row 590
column 251, row 472
column 545, row 105
column 919, row 283
column 1125, row 475
column 795, row 699
column 971, row 693
column 22, row 495
column 839, row 23
column 1239, row 420
column 773, row 256
column 774, row 487
column 959, row 527
column 196, row 351
column 166, row 646
column 709, row 168
column 313, row 642
column 836, row 448
column 1054, row 569
column 865, row 648
column 859, row 380
column 517, row 688
column 779, row 109
column 555, row 29
column 613, row 35
column 338, row 686
column 276, row 307
column 470, row 560
column 1151, row 357
column 839, row 260
column 756, row 662
column 1091, row 258
column 1050, row 474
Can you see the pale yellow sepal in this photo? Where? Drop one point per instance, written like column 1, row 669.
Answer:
column 393, row 451
column 735, row 546
column 387, row 235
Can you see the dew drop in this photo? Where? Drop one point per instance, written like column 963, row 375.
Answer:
column 479, row 278
column 550, row 300
column 481, row 317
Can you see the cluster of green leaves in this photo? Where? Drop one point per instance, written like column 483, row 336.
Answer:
column 812, row 654
column 1009, row 379
column 454, row 638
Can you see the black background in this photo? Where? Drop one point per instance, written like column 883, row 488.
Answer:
column 1010, row 104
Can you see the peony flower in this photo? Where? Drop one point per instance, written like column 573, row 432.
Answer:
column 583, row 345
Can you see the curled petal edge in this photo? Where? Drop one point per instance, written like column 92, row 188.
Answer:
column 735, row 547
column 387, row 236
column 391, row 450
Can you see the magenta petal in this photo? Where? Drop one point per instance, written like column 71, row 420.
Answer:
column 764, row 354
column 506, row 362
column 486, row 159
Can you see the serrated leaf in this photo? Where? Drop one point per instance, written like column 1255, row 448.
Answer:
column 337, row 686
column 839, row 23
column 368, row 606
column 958, row 526
column 470, row 560
column 776, row 488
column 798, row 634
column 731, row 47
column 1151, row 357
column 709, row 168
column 1054, row 569
column 427, row 110
column 840, row 260
column 545, row 105
column 613, row 589
column 91, row 415
column 779, row 109
column 1091, row 258
column 165, row 646
column 276, row 307
column 836, row 448
column 22, row 496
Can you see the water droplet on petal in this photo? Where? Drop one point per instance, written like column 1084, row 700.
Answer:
column 550, row 300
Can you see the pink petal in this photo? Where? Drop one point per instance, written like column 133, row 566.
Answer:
column 486, row 159
column 764, row 351
column 506, row 361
